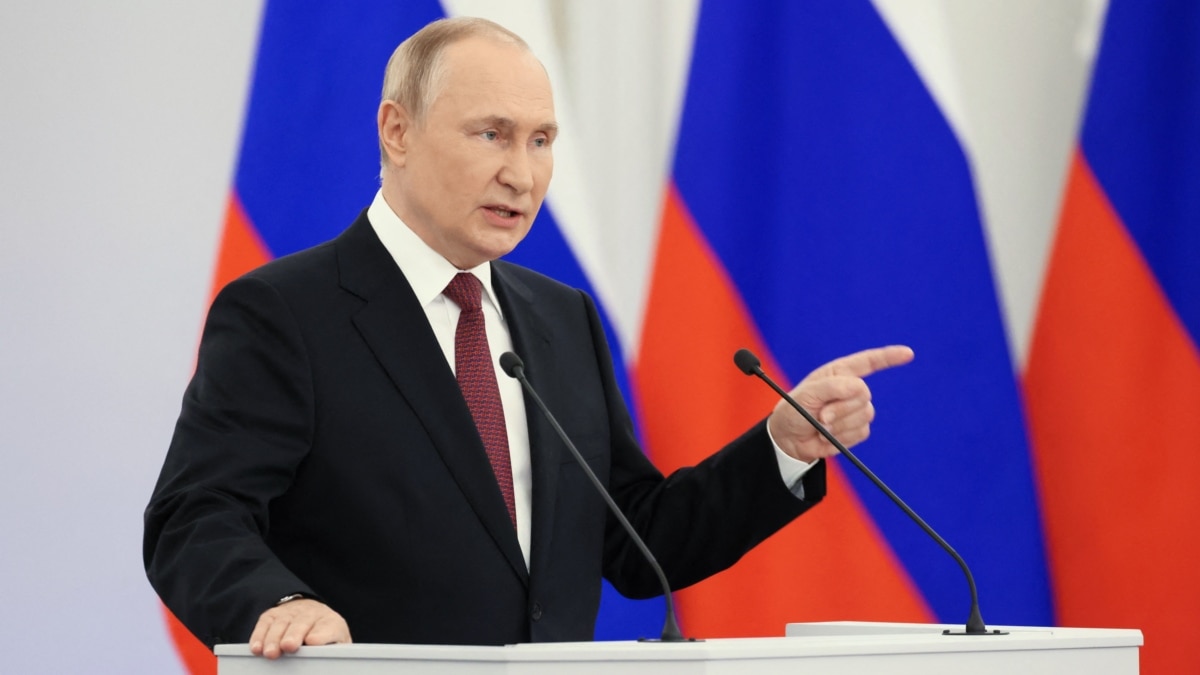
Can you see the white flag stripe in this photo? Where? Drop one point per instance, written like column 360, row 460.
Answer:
column 1010, row 79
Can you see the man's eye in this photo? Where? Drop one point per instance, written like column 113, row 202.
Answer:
column 541, row 142
column 490, row 135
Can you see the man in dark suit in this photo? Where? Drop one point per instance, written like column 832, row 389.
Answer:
column 343, row 465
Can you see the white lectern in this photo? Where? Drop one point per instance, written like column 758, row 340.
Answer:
column 833, row 648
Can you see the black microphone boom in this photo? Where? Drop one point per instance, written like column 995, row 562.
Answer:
column 514, row 367
column 750, row 365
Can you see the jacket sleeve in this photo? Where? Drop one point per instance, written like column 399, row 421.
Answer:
column 245, row 426
column 699, row 520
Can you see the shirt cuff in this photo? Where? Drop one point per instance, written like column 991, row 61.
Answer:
column 791, row 470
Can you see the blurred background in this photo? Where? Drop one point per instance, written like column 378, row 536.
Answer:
column 1006, row 186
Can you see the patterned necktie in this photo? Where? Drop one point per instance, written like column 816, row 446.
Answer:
column 477, row 379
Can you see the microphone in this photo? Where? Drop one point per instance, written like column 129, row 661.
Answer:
column 514, row 367
column 750, row 365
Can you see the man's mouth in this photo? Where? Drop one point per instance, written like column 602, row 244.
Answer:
column 503, row 212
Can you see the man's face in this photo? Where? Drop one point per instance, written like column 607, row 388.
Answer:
column 474, row 173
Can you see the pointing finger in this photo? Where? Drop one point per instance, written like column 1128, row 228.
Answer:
column 868, row 361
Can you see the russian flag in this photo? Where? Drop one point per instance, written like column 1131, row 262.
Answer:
column 1113, row 380
column 778, row 176
column 820, row 204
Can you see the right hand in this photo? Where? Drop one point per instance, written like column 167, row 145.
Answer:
column 283, row 628
column 839, row 398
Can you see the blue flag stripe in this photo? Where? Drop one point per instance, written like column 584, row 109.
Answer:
column 1141, row 136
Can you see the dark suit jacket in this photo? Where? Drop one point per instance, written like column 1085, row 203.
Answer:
column 324, row 448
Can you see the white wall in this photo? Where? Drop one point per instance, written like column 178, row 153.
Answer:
column 119, row 123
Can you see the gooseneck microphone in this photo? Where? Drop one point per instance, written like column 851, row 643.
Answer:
column 750, row 365
column 514, row 367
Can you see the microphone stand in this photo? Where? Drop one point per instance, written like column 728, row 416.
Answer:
column 750, row 365
column 514, row 367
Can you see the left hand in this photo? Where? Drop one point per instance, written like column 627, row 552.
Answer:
column 304, row 621
column 839, row 398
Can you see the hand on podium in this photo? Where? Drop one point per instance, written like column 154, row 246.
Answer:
column 284, row 628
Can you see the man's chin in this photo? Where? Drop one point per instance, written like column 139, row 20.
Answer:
column 502, row 246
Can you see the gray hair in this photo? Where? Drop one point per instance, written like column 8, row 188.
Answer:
column 416, row 71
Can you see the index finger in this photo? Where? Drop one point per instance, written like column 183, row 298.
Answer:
column 861, row 364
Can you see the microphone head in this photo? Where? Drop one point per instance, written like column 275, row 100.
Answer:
column 511, row 364
column 747, row 361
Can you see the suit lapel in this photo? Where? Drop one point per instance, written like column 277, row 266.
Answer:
column 531, row 340
column 393, row 325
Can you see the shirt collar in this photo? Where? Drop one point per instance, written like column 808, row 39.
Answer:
column 426, row 270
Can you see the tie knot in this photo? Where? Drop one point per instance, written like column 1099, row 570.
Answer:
column 465, row 290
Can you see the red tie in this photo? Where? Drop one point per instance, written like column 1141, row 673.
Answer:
column 477, row 379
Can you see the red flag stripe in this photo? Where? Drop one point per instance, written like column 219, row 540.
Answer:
column 1113, row 390
column 242, row 248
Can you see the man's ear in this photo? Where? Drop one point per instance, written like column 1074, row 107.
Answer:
column 394, row 125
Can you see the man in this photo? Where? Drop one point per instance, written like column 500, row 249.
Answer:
column 344, row 466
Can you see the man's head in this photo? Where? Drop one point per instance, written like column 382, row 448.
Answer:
column 465, row 131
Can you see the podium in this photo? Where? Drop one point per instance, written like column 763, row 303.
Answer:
column 834, row 648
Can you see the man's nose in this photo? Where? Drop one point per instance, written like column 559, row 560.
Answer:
column 517, row 172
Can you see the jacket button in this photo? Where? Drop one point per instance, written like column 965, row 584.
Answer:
column 536, row 612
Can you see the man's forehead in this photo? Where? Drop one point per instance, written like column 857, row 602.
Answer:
column 487, row 78
column 500, row 105
column 481, row 54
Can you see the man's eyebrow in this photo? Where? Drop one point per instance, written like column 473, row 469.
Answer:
column 508, row 123
column 498, row 121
